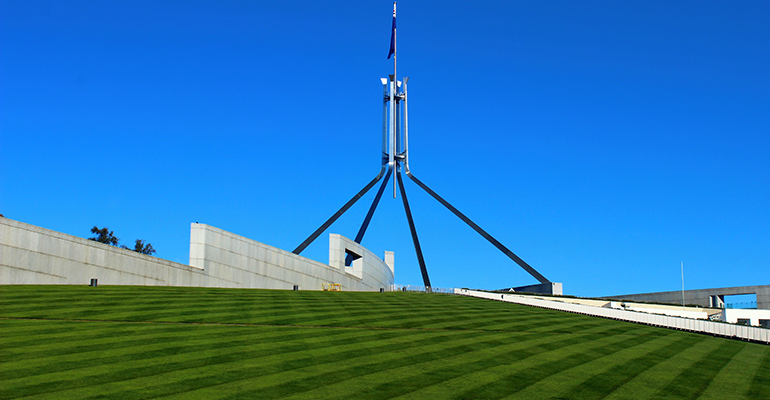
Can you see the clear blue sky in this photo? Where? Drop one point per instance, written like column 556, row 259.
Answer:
column 604, row 142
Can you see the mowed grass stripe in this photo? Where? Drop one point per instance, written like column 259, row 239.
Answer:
column 97, row 375
column 760, row 385
column 171, row 308
column 65, row 331
column 349, row 371
column 436, row 370
column 441, row 319
column 651, row 382
column 591, row 379
column 326, row 368
column 179, row 341
column 523, row 375
column 491, row 377
column 470, row 319
column 363, row 317
column 282, row 363
column 617, row 371
column 326, row 317
column 109, row 338
column 423, row 320
column 692, row 381
column 735, row 377
column 26, row 332
column 160, row 361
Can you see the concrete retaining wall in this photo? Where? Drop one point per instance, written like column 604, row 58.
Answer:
column 751, row 333
column 34, row 255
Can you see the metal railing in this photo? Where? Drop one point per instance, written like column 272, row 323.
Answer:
column 746, row 305
column 414, row 288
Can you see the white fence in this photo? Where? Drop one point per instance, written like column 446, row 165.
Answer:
column 755, row 334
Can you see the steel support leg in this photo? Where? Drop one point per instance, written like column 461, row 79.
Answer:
column 365, row 224
column 339, row 213
column 416, row 241
column 478, row 229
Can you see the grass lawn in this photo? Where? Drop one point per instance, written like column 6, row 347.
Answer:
column 79, row 342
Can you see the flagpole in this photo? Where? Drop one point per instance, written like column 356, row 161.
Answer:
column 395, row 76
column 393, row 105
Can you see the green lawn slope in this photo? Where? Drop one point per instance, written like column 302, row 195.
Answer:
column 79, row 342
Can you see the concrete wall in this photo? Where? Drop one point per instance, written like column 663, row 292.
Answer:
column 372, row 271
column 34, row 255
column 243, row 262
column 702, row 297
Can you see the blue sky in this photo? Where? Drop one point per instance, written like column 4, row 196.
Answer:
column 603, row 142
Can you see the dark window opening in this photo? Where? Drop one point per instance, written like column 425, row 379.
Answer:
column 350, row 257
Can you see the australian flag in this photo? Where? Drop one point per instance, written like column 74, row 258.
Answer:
column 393, row 34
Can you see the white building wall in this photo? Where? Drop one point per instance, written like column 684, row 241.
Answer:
column 243, row 262
column 34, row 255
column 732, row 315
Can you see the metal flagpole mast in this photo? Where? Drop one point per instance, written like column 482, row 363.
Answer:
column 393, row 106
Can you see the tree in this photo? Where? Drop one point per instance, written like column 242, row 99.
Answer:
column 107, row 236
column 140, row 247
column 104, row 235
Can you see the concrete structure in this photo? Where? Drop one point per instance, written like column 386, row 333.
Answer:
column 34, row 255
column 247, row 263
column 752, row 333
column 702, row 297
column 747, row 317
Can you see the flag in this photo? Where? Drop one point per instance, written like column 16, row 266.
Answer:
column 393, row 34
